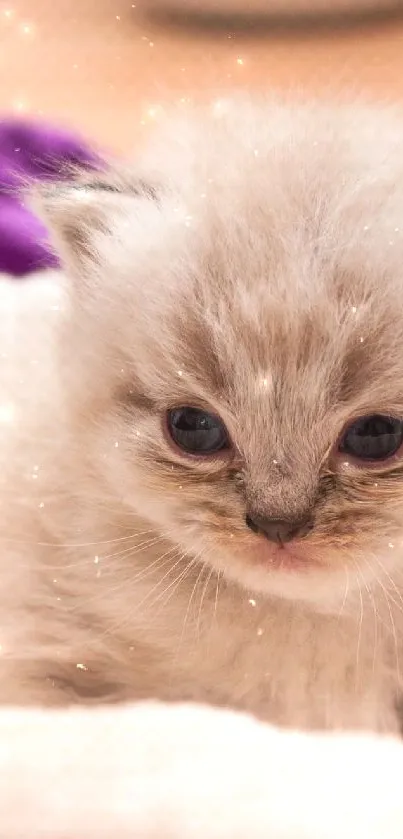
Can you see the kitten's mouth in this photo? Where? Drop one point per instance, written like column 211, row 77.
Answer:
column 295, row 556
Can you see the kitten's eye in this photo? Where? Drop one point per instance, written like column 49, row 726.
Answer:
column 196, row 431
column 375, row 437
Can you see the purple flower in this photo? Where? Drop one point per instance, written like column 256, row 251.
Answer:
column 29, row 150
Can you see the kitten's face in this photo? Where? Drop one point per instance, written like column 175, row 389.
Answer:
column 236, row 332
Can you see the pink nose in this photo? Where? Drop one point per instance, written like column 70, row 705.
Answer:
column 278, row 530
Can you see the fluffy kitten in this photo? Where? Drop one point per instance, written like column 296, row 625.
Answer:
column 243, row 552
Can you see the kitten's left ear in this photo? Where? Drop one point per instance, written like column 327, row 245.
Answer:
column 82, row 214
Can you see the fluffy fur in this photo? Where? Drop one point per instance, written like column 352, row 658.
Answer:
column 250, row 262
column 176, row 772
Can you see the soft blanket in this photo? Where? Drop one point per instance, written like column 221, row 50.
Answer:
column 152, row 771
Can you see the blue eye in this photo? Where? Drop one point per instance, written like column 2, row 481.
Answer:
column 197, row 432
column 375, row 437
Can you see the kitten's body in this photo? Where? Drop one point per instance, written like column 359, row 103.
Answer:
column 107, row 590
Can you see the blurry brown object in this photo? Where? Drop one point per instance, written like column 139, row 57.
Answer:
column 107, row 67
column 278, row 7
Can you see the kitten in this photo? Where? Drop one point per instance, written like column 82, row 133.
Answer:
column 203, row 425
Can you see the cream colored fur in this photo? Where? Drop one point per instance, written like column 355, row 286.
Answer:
column 251, row 263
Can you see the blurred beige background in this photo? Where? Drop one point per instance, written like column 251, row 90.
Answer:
column 105, row 68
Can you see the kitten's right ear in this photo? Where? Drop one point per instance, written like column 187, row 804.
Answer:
column 82, row 216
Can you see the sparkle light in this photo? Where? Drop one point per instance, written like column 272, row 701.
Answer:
column 264, row 380
column 217, row 107
column 252, row 601
column 240, row 61
column 81, row 666
column 27, row 29
column 20, row 105
column 82, row 194
column 7, row 412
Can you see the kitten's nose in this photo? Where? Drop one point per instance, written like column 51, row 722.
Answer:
column 278, row 530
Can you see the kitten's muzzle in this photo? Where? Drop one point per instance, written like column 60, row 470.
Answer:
column 279, row 531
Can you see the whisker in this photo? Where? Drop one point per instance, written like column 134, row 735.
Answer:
column 128, row 580
column 148, row 543
column 125, row 619
column 388, row 599
column 75, row 544
column 172, row 588
column 89, row 561
column 202, row 598
column 376, row 616
column 346, row 592
column 359, row 637
column 117, row 627
column 219, row 576
column 155, row 588
column 399, row 602
column 187, row 613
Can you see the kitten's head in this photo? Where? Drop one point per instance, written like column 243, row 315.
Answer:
column 238, row 324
